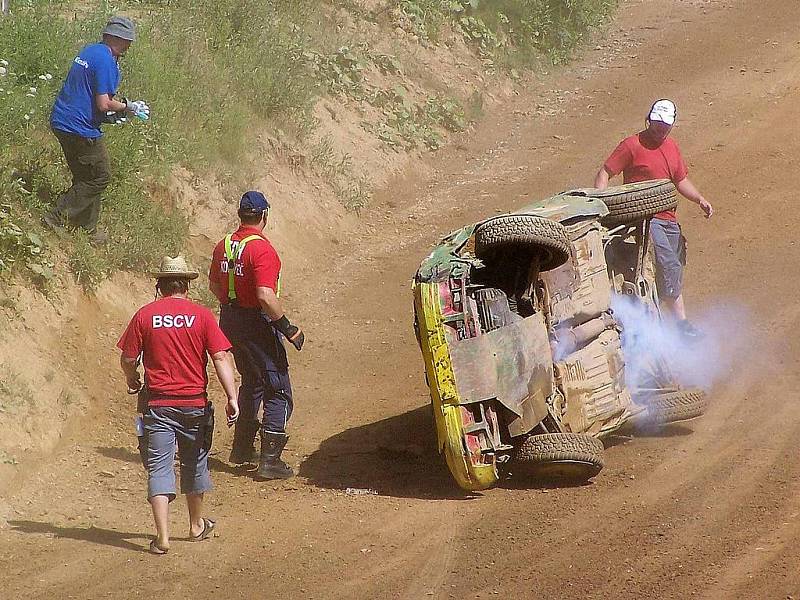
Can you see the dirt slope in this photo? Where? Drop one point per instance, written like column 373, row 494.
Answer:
column 708, row 509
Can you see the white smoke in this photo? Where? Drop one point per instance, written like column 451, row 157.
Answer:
column 650, row 343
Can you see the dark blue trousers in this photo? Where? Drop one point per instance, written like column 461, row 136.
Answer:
column 261, row 361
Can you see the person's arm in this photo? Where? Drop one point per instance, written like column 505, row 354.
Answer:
column 105, row 103
column 130, row 368
column 601, row 179
column 272, row 307
column 688, row 190
column 223, row 365
column 215, row 287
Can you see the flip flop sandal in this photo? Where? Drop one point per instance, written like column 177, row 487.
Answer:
column 156, row 549
column 208, row 529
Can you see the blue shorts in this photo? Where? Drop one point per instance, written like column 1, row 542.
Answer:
column 670, row 250
column 188, row 427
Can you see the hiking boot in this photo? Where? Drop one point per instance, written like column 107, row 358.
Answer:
column 244, row 456
column 244, row 448
column 689, row 332
column 98, row 237
column 271, row 466
column 54, row 221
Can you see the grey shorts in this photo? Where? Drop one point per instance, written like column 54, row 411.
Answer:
column 188, row 427
column 670, row 250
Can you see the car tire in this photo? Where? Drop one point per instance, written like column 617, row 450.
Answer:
column 546, row 237
column 562, row 456
column 673, row 406
column 635, row 202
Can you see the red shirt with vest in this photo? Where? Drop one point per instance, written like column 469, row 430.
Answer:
column 639, row 160
column 258, row 265
column 175, row 336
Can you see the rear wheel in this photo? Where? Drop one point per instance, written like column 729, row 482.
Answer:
column 562, row 456
column 526, row 234
column 672, row 406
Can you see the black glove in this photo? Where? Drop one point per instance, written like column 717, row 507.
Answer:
column 290, row 332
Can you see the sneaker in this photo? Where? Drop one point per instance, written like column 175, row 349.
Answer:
column 689, row 331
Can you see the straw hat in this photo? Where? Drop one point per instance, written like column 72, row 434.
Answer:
column 174, row 267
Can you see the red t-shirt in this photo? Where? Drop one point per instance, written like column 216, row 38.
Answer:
column 258, row 266
column 176, row 336
column 639, row 161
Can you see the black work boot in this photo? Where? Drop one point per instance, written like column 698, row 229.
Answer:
column 244, row 438
column 271, row 465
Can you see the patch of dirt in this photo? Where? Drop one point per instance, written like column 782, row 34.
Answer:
column 708, row 508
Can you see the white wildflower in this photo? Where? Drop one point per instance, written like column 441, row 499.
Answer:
column 42, row 77
column 27, row 117
column 3, row 62
column 48, row 76
column 32, row 90
column 3, row 71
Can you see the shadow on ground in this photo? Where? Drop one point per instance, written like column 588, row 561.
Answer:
column 397, row 457
column 394, row 457
column 126, row 455
column 630, row 433
column 96, row 535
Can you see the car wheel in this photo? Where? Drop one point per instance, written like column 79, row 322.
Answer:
column 563, row 456
column 634, row 202
column 672, row 406
column 544, row 236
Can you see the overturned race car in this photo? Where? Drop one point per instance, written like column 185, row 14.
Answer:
column 527, row 360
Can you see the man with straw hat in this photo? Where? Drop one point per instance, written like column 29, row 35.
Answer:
column 173, row 337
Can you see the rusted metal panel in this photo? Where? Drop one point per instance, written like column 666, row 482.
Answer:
column 512, row 365
column 593, row 381
column 580, row 290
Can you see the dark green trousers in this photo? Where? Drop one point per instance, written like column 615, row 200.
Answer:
column 91, row 173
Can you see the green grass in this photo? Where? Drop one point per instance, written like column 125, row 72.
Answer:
column 216, row 72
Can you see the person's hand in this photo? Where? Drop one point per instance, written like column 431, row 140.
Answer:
column 232, row 411
column 706, row 207
column 134, row 384
column 291, row 332
column 298, row 339
column 116, row 118
column 139, row 109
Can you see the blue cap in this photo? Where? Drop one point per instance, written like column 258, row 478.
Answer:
column 253, row 202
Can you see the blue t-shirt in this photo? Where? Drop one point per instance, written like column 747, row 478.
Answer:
column 94, row 71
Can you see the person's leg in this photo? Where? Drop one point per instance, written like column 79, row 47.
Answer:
column 194, row 443
column 675, row 307
column 666, row 237
column 251, row 394
column 161, row 475
column 160, row 506
column 91, row 173
column 278, row 405
column 194, row 502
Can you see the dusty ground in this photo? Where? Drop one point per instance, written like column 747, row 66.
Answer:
column 707, row 509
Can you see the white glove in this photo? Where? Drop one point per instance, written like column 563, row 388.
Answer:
column 139, row 109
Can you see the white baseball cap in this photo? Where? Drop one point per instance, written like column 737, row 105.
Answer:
column 663, row 110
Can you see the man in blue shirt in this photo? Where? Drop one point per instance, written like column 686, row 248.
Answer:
column 86, row 97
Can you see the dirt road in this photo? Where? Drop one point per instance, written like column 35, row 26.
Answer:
column 708, row 509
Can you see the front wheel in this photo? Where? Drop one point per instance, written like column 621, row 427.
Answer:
column 575, row 457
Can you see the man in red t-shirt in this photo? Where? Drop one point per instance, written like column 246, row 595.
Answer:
column 245, row 277
column 652, row 154
column 174, row 337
